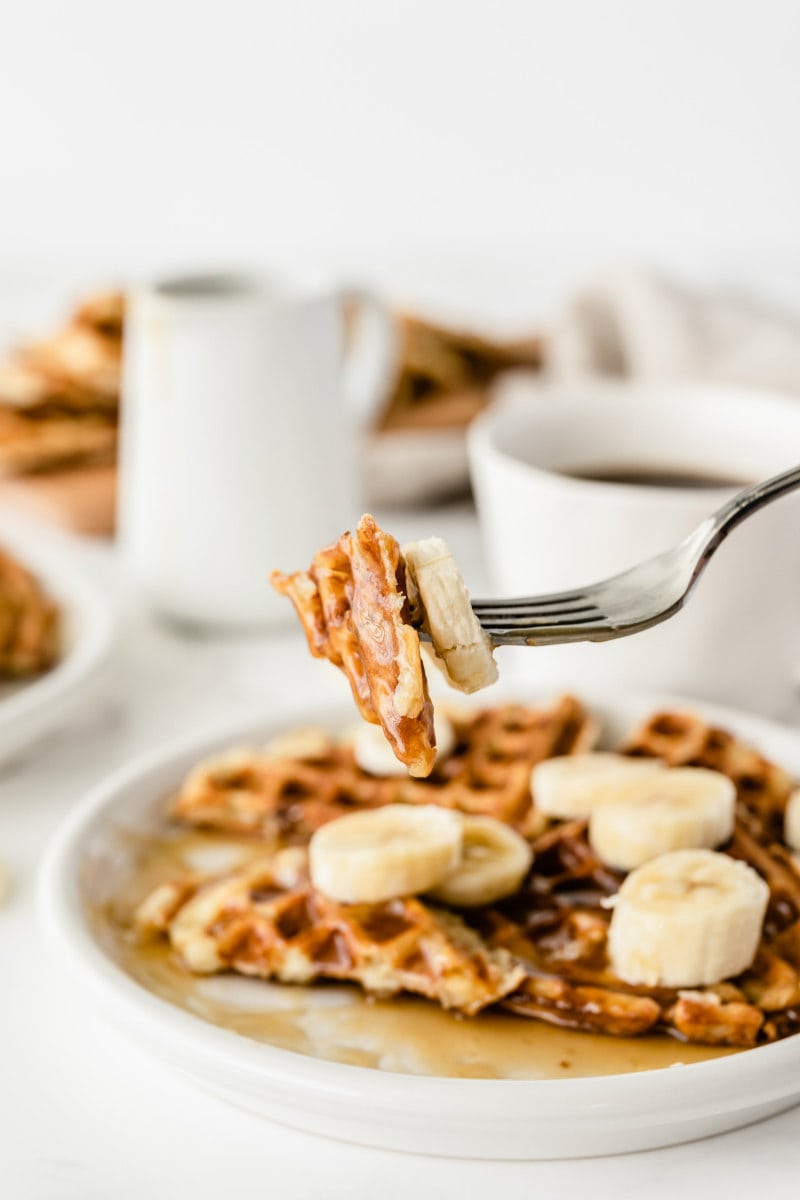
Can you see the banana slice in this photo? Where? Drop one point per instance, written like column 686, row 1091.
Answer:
column 791, row 821
column 399, row 850
column 290, row 866
column 374, row 755
column 679, row 809
column 570, row 786
column 440, row 600
column 299, row 743
column 494, row 861
column 685, row 919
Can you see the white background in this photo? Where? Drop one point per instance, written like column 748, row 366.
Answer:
column 515, row 134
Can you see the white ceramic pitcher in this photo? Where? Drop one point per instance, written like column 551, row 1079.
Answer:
column 241, row 410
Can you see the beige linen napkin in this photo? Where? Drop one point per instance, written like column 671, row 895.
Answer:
column 639, row 325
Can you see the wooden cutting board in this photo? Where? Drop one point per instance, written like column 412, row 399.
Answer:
column 81, row 500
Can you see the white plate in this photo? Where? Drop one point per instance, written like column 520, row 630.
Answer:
column 476, row 1118
column 31, row 707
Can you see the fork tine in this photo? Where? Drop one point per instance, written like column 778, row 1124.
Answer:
column 632, row 600
column 513, row 612
column 588, row 616
column 559, row 601
column 543, row 635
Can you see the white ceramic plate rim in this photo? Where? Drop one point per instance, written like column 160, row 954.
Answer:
column 765, row 1073
column 89, row 633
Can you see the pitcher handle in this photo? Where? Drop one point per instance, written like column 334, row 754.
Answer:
column 370, row 356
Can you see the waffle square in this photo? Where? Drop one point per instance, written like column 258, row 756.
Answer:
column 248, row 922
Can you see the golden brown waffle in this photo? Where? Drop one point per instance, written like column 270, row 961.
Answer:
column 46, row 439
column 489, row 771
column 443, row 374
column 248, row 922
column 541, row 955
column 278, row 796
column 104, row 312
column 28, row 622
column 353, row 609
column 557, row 924
column 286, row 792
column 25, row 390
column 80, row 358
column 59, row 397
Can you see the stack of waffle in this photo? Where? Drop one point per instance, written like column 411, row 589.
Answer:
column 443, row 375
column 59, row 397
column 28, row 622
column 442, row 380
column 541, row 954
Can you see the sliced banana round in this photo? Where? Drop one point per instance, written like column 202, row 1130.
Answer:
column 440, row 602
column 290, row 866
column 399, row 850
column 494, row 861
column 374, row 755
column 299, row 743
column 686, row 919
column 683, row 808
column 569, row 787
column 791, row 821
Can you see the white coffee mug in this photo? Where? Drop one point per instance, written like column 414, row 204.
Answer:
column 241, row 409
column 544, row 529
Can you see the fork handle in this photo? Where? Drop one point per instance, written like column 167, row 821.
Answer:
column 717, row 527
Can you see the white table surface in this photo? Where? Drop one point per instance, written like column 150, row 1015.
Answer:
column 85, row 1113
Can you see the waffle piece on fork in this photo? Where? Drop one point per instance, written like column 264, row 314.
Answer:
column 354, row 611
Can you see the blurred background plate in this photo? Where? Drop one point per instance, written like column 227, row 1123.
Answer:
column 31, row 708
column 440, row 467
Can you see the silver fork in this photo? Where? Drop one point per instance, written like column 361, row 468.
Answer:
column 640, row 597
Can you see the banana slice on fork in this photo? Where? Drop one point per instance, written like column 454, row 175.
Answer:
column 440, row 604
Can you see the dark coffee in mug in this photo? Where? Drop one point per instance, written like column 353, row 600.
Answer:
column 657, row 476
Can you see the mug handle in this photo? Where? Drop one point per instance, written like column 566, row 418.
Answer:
column 370, row 354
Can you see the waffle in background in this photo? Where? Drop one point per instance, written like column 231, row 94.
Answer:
column 59, row 412
column 300, row 782
column 29, row 623
column 441, row 383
